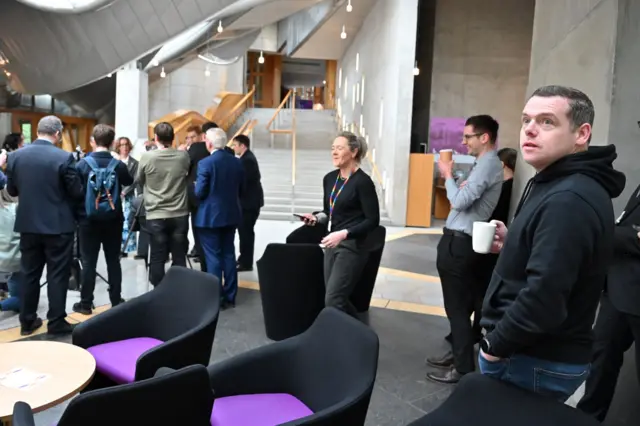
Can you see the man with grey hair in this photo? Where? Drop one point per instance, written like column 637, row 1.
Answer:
column 218, row 186
column 46, row 222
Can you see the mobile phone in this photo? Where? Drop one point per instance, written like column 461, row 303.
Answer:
column 299, row 216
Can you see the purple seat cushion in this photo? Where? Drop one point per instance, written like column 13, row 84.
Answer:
column 267, row 409
column 117, row 360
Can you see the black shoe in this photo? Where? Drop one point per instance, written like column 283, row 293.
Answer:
column 62, row 328
column 113, row 305
column 28, row 329
column 242, row 268
column 227, row 305
column 123, row 254
column 449, row 377
column 82, row 309
column 139, row 257
column 444, row 361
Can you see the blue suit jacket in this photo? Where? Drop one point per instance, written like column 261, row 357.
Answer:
column 218, row 187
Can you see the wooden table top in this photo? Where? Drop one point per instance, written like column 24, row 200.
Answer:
column 68, row 368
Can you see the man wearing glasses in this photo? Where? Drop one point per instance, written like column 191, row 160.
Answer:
column 458, row 265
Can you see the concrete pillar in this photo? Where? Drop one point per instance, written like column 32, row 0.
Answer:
column 592, row 45
column 132, row 105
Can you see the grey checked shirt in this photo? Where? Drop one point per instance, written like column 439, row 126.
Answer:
column 479, row 197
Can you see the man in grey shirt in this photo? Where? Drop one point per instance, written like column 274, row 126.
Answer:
column 163, row 174
column 458, row 265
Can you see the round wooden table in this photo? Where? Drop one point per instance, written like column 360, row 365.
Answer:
column 68, row 369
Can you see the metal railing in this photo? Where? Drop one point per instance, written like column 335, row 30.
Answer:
column 287, row 104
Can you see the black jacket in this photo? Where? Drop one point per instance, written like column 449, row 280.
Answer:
column 44, row 178
column 252, row 197
column 623, row 282
column 197, row 151
column 545, row 289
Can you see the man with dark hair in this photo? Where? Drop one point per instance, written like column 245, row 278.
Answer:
column 197, row 151
column 49, row 187
column 545, row 289
column 208, row 126
column 101, row 229
column 163, row 174
column 251, row 201
column 472, row 200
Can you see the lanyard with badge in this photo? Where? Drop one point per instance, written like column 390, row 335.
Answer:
column 332, row 199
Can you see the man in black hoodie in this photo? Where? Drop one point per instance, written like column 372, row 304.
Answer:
column 544, row 292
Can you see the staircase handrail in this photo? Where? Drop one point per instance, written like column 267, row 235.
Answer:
column 229, row 119
column 277, row 111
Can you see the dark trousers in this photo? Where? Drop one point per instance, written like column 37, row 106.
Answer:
column 55, row 252
column 247, row 237
column 197, row 245
column 462, row 288
column 614, row 333
column 219, row 249
column 343, row 266
column 167, row 236
column 143, row 238
column 92, row 236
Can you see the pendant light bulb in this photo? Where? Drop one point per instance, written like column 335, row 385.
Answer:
column 220, row 29
column 207, row 73
column 349, row 7
column 155, row 63
column 416, row 70
column 343, row 34
column 261, row 58
column 162, row 73
column 109, row 75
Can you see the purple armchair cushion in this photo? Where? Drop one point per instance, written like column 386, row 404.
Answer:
column 268, row 409
column 117, row 360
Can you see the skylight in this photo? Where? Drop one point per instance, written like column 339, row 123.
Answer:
column 67, row 5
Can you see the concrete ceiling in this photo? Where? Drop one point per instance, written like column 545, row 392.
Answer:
column 270, row 13
column 326, row 43
column 53, row 53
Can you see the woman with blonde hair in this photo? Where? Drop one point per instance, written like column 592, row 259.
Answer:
column 10, row 251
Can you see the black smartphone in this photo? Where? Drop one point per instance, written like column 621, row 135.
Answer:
column 299, row 216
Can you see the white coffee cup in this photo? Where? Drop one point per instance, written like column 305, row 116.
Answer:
column 483, row 233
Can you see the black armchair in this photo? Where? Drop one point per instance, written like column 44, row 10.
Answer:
column 172, row 326
column 324, row 376
column 480, row 400
column 291, row 287
column 307, row 234
column 182, row 397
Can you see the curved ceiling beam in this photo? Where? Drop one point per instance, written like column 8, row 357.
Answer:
column 68, row 6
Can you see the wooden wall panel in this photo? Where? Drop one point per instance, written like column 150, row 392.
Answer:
column 420, row 193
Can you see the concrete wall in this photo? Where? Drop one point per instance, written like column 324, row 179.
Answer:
column 481, row 60
column 384, row 52
column 189, row 88
column 574, row 44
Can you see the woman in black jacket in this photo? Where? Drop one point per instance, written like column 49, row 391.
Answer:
column 351, row 212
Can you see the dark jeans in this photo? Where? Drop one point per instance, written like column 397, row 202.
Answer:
column 143, row 239
column 247, row 237
column 197, row 245
column 343, row 266
column 556, row 380
column 55, row 252
column 614, row 333
column 462, row 288
column 14, row 284
column 92, row 236
column 167, row 236
column 220, row 254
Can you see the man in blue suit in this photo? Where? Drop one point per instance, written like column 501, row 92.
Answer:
column 218, row 187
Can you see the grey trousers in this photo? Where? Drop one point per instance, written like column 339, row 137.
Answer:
column 343, row 266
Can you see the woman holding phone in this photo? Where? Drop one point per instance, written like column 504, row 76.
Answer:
column 351, row 212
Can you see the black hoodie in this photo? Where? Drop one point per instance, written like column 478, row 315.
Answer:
column 545, row 289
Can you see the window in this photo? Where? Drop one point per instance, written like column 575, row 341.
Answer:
column 353, row 99
column 357, row 61
column 358, row 92
column 67, row 5
column 362, row 92
column 346, row 88
column 25, row 129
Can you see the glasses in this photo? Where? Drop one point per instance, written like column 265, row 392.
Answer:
column 472, row 135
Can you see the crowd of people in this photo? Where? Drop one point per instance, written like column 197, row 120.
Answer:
column 97, row 201
column 534, row 299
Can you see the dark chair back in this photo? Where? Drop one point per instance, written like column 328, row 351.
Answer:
column 291, row 287
column 480, row 400
column 335, row 363
column 182, row 397
column 307, row 234
column 361, row 296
